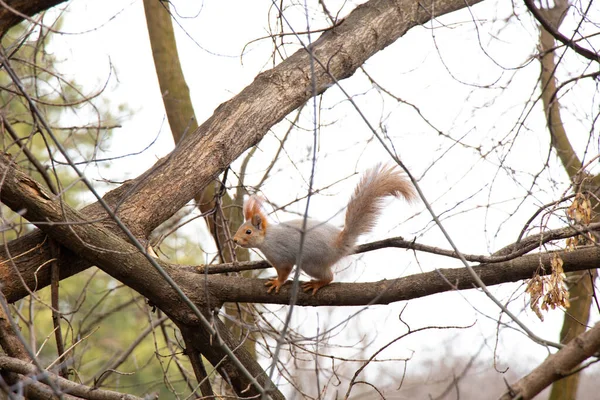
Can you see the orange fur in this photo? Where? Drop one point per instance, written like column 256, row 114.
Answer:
column 253, row 206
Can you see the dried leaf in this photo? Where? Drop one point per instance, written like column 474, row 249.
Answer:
column 548, row 292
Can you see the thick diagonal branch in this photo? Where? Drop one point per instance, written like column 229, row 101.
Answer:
column 123, row 261
column 236, row 125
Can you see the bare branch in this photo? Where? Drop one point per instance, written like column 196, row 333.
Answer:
column 126, row 263
column 10, row 342
column 232, row 288
column 507, row 253
column 54, row 296
column 65, row 385
column 582, row 51
column 199, row 370
column 556, row 366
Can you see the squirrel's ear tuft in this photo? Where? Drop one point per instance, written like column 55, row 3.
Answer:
column 252, row 206
column 257, row 221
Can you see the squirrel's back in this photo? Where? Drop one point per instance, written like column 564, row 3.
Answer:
column 326, row 244
column 282, row 242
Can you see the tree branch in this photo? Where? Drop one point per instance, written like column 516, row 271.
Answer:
column 125, row 263
column 65, row 385
column 582, row 51
column 560, row 141
column 557, row 365
column 14, row 11
column 510, row 252
column 580, row 287
column 230, row 288
column 10, row 342
column 236, row 125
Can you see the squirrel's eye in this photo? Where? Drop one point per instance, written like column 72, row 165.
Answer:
column 248, row 231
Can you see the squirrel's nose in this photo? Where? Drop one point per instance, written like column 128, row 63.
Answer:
column 235, row 241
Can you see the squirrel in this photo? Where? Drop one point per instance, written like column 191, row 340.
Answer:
column 324, row 244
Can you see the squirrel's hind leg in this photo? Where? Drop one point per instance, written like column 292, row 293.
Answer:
column 282, row 274
column 325, row 277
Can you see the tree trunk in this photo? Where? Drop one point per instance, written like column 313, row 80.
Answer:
column 581, row 283
column 226, row 213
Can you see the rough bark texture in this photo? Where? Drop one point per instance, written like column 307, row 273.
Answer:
column 9, row 341
column 78, row 391
column 14, row 11
column 124, row 262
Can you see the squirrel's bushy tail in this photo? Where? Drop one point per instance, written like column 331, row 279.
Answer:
column 363, row 208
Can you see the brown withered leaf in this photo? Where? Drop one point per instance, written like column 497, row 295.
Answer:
column 548, row 292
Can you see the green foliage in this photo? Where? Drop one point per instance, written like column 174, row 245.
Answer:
column 63, row 104
column 100, row 318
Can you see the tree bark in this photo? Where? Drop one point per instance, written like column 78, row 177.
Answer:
column 174, row 90
column 124, row 262
column 14, row 11
column 77, row 390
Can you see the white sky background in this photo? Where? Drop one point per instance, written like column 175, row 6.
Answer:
column 412, row 68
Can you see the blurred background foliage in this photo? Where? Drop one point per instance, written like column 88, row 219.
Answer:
column 101, row 319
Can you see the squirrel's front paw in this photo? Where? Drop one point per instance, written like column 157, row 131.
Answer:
column 274, row 283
